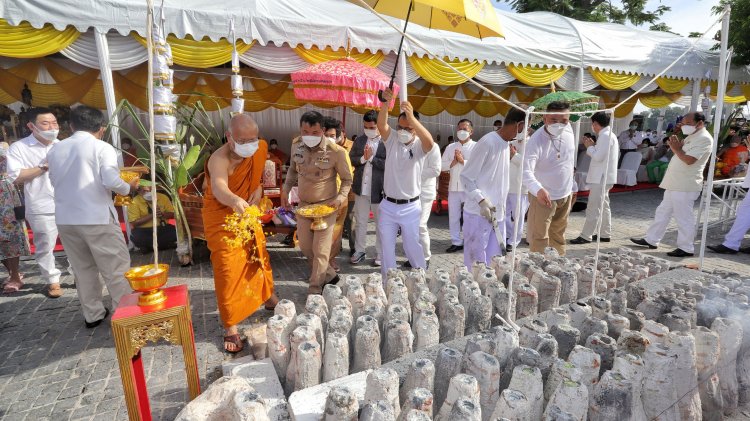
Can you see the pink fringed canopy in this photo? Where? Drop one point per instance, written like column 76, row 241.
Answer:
column 342, row 82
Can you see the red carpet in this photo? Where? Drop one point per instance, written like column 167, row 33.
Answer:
column 58, row 245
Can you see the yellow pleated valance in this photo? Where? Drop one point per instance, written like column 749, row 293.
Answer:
column 201, row 54
column 315, row 55
column 670, row 85
column 437, row 73
column 25, row 41
column 658, row 101
column 536, row 76
column 612, row 80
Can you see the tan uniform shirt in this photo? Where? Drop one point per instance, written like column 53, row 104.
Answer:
column 314, row 171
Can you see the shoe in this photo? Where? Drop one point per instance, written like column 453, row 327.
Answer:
column 579, row 240
column 377, row 263
column 358, row 258
column 406, row 265
column 603, row 240
column 643, row 242
column 335, row 280
column 678, row 252
column 509, row 248
column 91, row 325
column 721, row 249
column 54, row 290
column 745, row 250
column 454, row 248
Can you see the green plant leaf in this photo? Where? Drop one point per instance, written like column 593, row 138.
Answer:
column 191, row 157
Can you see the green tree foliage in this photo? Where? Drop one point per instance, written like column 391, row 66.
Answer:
column 739, row 29
column 622, row 11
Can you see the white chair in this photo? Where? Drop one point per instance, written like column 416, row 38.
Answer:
column 582, row 170
column 627, row 174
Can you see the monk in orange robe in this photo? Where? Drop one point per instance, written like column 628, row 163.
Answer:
column 242, row 276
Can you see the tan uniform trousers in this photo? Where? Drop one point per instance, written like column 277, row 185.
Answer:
column 546, row 226
column 338, row 231
column 316, row 246
column 93, row 251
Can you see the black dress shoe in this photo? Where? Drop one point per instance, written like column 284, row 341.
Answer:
column 679, row 253
column 91, row 325
column 454, row 248
column 407, row 264
column 745, row 250
column 579, row 240
column 509, row 248
column 643, row 242
column 603, row 240
column 721, row 249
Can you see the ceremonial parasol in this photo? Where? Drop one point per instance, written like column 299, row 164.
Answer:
column 342, row 82
column 476, row 18
column 578, row 101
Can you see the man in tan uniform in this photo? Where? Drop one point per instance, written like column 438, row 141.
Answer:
column 316, row 161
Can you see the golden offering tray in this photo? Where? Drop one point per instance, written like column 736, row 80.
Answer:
column 148, row 284
column 316, row 212
column 129, row 174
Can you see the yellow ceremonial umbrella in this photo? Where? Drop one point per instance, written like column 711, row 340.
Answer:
column 476, row 18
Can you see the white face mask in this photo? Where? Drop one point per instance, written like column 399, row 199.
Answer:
column 633, row 127
column 688, row 130
column 148, row 196
column 555, row 129
column 372, row 133
column 463, row 135
column 49, row 135
column 311, row 141
column 246, row 150
column 404, row 136
column 274, row 147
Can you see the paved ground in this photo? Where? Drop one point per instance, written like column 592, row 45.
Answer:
column 54, row 368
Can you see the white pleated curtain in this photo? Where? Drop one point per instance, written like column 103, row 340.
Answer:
column 124, row 51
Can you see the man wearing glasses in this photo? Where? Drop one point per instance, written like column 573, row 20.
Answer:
column 406, row 151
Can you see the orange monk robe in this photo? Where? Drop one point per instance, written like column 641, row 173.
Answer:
column 242, row 276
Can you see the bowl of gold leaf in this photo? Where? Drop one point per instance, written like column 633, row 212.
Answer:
column 148, row 279
column 129, row 174
column 316, row 213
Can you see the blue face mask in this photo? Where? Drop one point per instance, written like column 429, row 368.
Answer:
column 246, row 150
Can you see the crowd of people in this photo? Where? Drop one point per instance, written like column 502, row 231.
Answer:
column 390, row 171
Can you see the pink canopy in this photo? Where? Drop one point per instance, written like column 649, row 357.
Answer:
column 342, row 82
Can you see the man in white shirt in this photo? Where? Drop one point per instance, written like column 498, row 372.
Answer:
column 430, row 173
column 511, row 203
column 485, row 179
column 454, row 159
column 84, row 173
column 548, row 174
column 740, row 227
column 629, row 140
column 27, row 165
column 602, row 175
column 368, row 158
column 406, row 151
column 682, row 184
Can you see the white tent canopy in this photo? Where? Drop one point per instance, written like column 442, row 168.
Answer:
column 543, row 39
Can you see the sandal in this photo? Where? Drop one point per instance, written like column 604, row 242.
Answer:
column 274, row 299
column 12, row 286
column 234, row 340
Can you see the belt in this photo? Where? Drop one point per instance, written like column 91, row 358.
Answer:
column 401, row 201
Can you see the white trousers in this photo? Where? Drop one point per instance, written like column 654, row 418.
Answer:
column 97, row 250
column 424, row 233
column 481, row 241
column 45, row 236
column 510, row 217
column 741, row 225
column 456, row 200
column 362, row 208
column 406, row 217
column 677, row 204
column 593, row 208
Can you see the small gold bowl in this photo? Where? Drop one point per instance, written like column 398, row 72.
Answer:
column 316, row 213
column 148, row 284
column 128, row 174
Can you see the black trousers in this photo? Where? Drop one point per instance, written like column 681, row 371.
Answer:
column 165, row 234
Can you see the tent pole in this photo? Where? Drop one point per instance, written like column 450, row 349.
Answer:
column 402, row 77
column 105, row 70
column 695, row 95
column 720, row 93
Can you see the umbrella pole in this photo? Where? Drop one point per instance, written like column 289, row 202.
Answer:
column 343, row 118
column 398, row 54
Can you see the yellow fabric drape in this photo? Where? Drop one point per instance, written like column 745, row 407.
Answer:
column 612, row 80
column 658, row 101
column 201, row 54
column 68, row 88
column 611, row 99
column 536, row 76
column 671, row 86
column 439, row 74
column 25, row 41
column 315, row 55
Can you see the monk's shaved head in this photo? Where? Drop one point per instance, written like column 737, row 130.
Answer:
column 243, row 127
